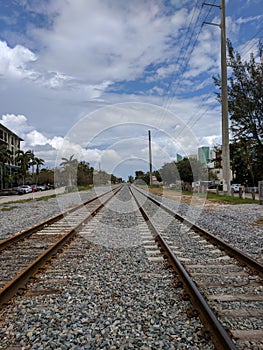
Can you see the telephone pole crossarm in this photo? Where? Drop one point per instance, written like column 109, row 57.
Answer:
column 212, row 5
column 212, row 24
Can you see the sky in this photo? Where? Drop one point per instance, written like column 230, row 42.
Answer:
column 90, row 78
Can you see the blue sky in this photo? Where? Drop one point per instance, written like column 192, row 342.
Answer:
column 91, row 77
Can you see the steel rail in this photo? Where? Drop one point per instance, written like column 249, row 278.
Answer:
column 19, row 282
column 220, row 337
column 28, row 232
column 232, row 251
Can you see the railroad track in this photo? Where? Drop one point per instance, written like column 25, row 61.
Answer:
column 224, row 292
column 22, row 255
column 224, row 285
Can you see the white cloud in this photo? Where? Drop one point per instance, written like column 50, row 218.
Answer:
column 112, row 137
column 14, row 61
column 35, row 138
column 17, row 123
column 86, row 49
column 211, row 140
column 110, row 41
column 205, row 54
column 242, row 20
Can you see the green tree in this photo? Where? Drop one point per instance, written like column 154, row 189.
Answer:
column 23, row 160
column 141, row 175
column 39, row 162
column 130, row 179
column 157, row 175
column 245, row 106
column 85, row 174
column 169, row 173
column 70, row 167
column 5, row 157
column 35, row 161
column 115, row 179
column 192, row 170
column 46, row 176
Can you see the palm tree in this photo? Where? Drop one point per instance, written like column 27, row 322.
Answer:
column 5, row 157
column 23, row 160
column 38, row 163
column 70, row 166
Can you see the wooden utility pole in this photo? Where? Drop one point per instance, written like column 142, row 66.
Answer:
column 225, row 123
column 150, row 156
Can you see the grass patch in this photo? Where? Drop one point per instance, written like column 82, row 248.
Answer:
column 187, row 196
column 20, row 201
column 45, row 198
column 230, row 199
column 8, row 208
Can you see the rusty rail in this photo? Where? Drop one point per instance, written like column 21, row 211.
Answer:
column 218, row 334
column 232, row 251
column 27, row 233
column 11, row 288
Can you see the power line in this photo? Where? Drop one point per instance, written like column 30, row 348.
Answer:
column 166, row 102
column 253, row 45
column 185, row 59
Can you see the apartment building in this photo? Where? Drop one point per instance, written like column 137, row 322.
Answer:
column 11, row 140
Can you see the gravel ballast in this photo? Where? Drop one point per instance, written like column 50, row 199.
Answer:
column 235, row 224
column 103, row 292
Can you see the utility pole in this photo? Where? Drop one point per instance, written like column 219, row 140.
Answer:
column 150, row 156
column 225, row 124
column 225, row 127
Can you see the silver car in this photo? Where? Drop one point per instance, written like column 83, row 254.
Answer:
column 24, row 189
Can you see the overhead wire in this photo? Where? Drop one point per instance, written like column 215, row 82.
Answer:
column 182, row 48
column 254, row 44
column 200, row 116
column 188, row 52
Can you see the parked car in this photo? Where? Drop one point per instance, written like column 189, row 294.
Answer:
column 24, row 189
column 235, row 187
column 42, row 187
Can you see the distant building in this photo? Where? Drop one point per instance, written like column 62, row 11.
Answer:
column 205, row 155
column 11, row 140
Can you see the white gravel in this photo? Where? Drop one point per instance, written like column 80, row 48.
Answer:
column 16, row 216
column 103, row 294
column 235, row 224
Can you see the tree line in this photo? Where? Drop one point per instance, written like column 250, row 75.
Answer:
column 27, row 170
column 245, row 107
column 181, row 173
column 15, row 174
